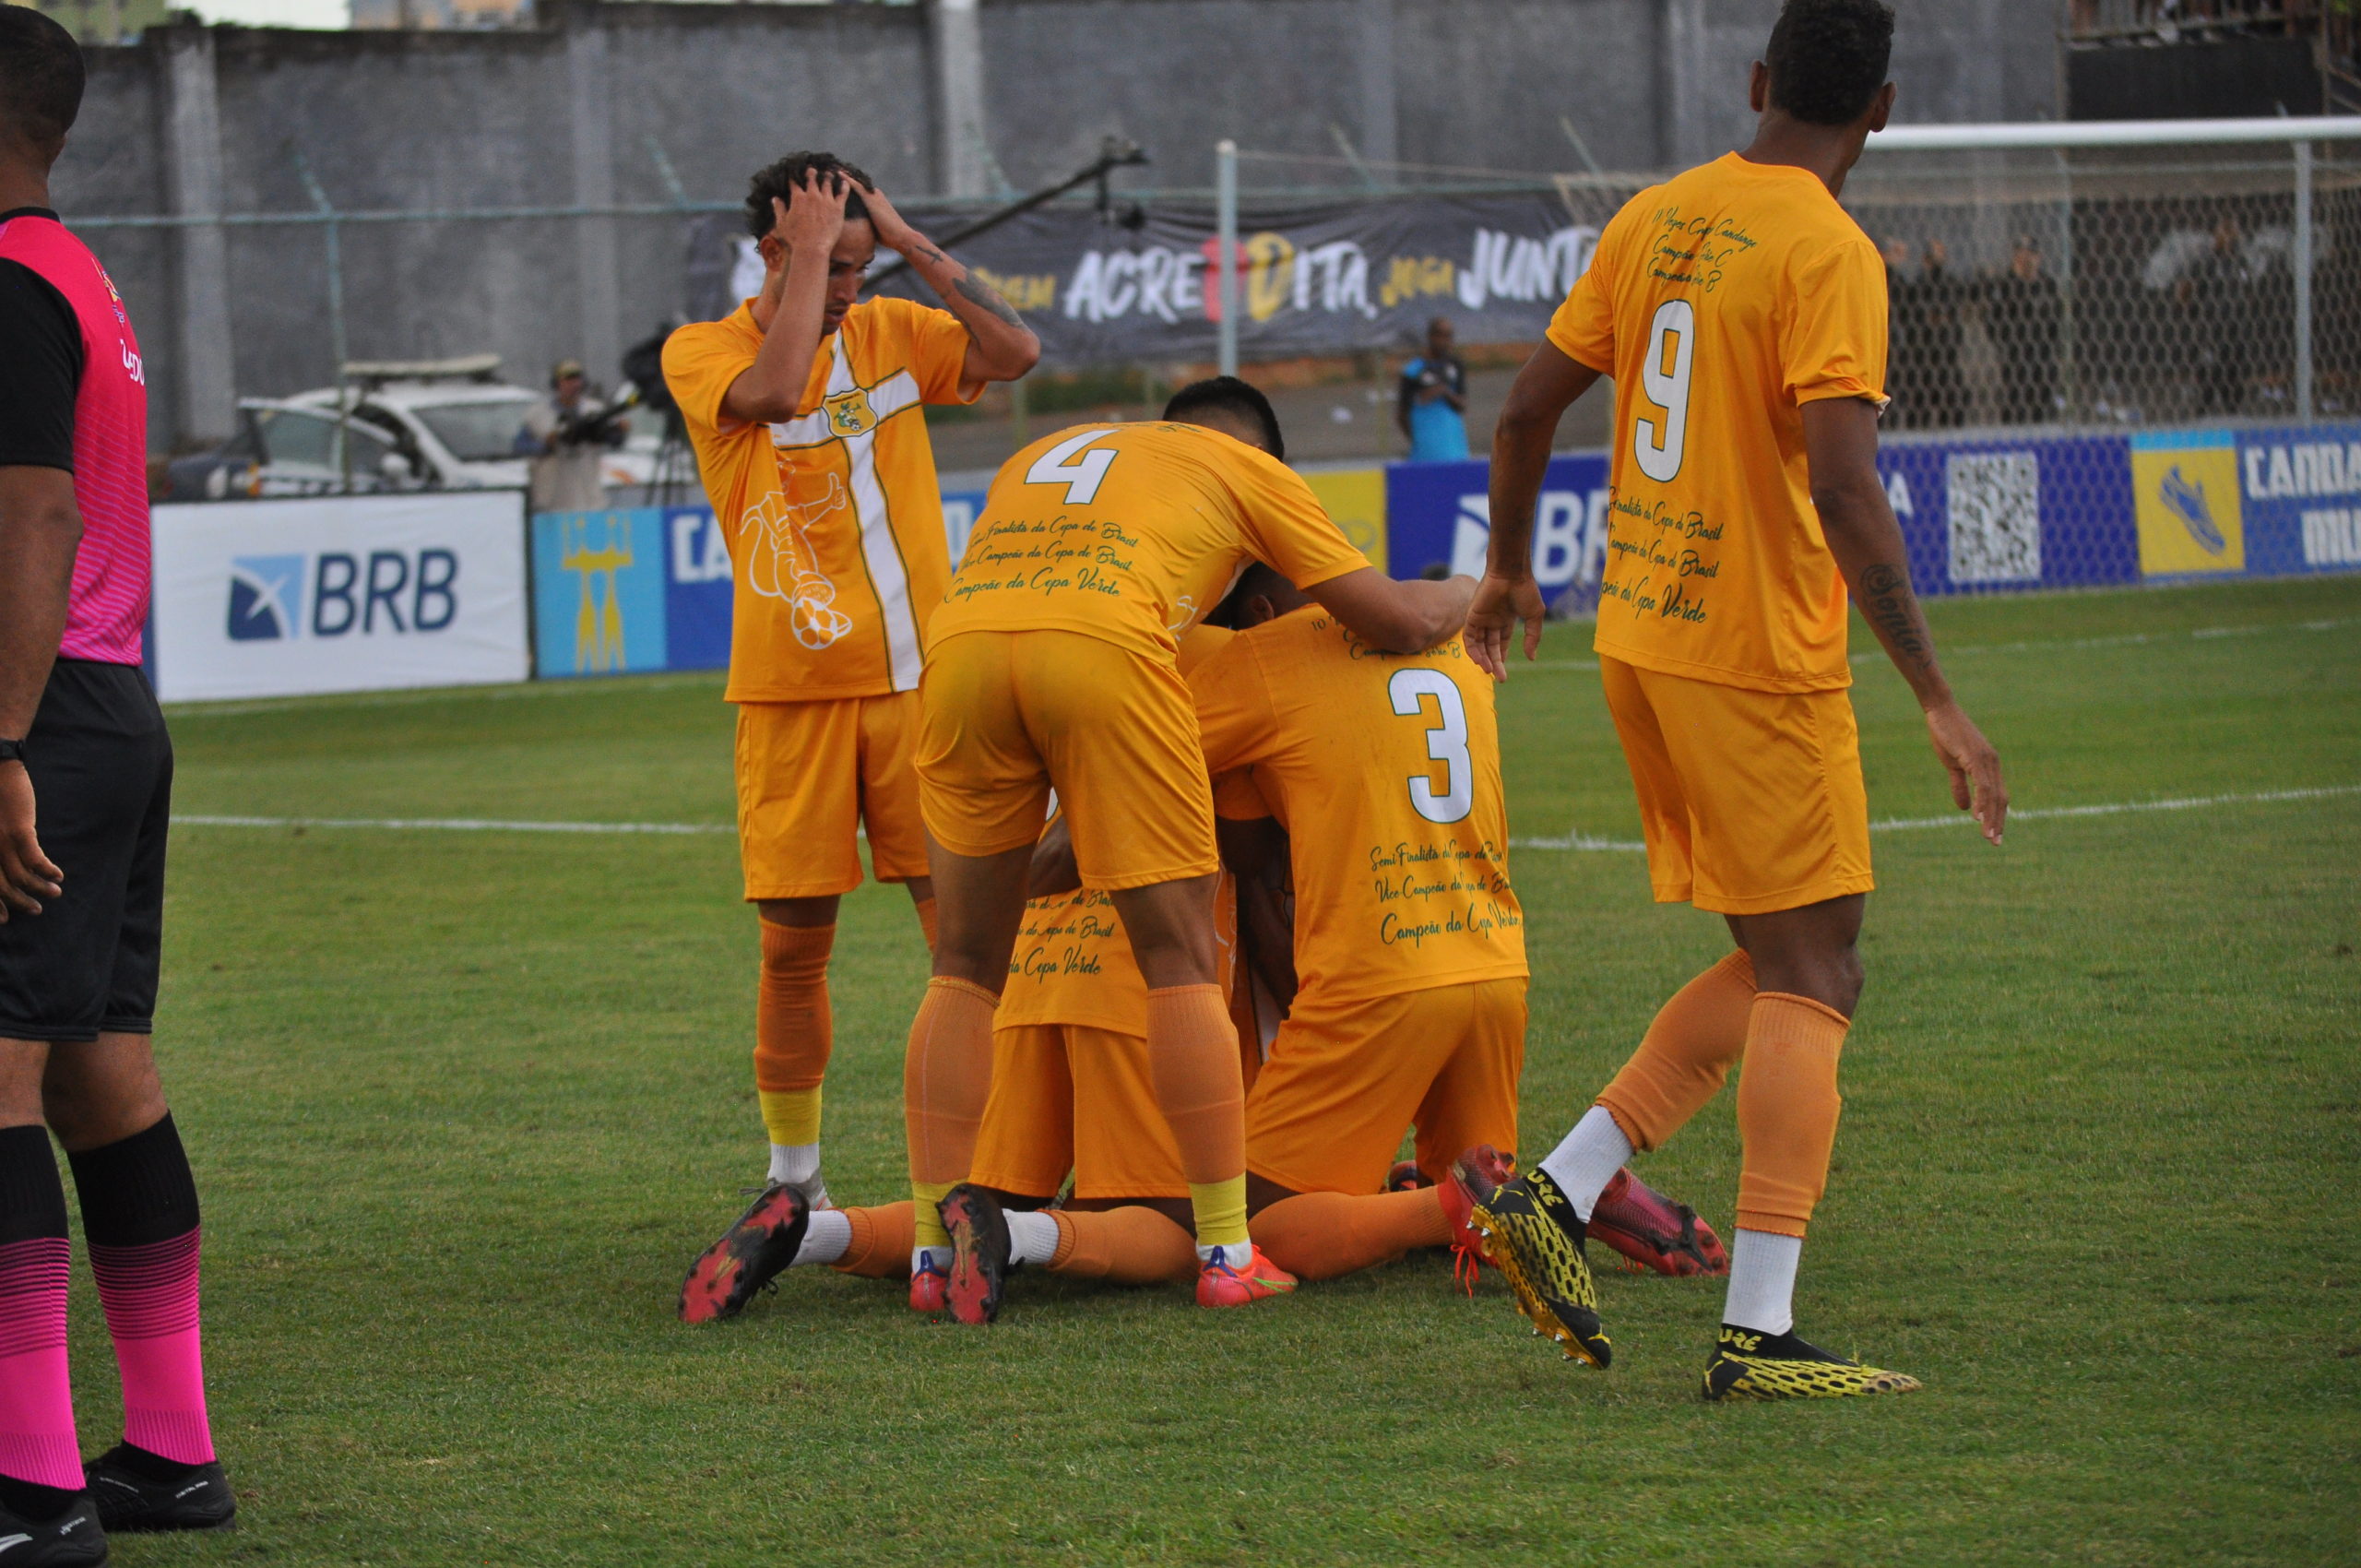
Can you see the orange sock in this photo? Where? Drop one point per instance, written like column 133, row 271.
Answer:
column 1685, row 1055
column 881, row 1243
column 1129, row 1245
column 1787, row 1106
column 1193, row 1062
column 1322, row 1235
column 925, row 907
column 947, row 1078
column 793, row 1030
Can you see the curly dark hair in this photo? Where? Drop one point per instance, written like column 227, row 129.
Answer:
column 1238, row 398
column 40, row 75
column 1828, row 58
column 780, row 180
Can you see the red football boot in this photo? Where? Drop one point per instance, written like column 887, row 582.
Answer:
column 1654, row 1233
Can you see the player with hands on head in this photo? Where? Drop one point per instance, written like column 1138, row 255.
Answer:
column 1742, row 315
column 805, row 406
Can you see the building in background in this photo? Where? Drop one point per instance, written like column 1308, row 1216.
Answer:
column 105, row 21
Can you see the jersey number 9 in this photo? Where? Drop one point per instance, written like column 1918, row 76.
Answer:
column 1446, row 742
column 1659, row 442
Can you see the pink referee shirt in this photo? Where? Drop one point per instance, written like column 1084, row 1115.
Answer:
column 108, row 604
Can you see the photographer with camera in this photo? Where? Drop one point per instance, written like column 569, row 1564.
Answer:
column 565, row 433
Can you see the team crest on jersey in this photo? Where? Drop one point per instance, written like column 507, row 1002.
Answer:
column 849, row 413
column 114, row 296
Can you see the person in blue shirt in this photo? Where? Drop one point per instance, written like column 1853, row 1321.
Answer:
column 1432, row 408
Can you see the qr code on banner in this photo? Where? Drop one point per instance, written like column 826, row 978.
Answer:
column 1994, row 503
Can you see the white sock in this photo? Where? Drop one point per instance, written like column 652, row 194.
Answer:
column 1032, row 1237
column 1588, row 1159
column 1238, row 1254
column 923, row 1258
column 1762, row 1281
column 798, row 1165
column 827, row 1236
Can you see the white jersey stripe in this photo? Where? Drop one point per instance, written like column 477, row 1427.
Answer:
column 878, row 549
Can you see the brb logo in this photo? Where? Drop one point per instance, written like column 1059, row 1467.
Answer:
column 281, row 597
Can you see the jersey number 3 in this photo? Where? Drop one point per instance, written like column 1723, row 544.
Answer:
column 1446, row 742
column 1659, row 442
column 1066, row 463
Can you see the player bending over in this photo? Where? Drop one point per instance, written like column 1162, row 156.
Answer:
column 803, row 406
column 1742, row 315
column 1052, row 664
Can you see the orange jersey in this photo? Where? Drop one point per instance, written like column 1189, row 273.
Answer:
column 834, row 517
column 1130, row 532
column 1385, row 770
column 1721, row 301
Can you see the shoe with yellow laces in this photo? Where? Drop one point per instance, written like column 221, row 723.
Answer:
column 1532, row 1235
column 1752, row 1365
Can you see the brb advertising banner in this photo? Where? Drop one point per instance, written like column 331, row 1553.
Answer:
column 338, row 594
column 1982, row 513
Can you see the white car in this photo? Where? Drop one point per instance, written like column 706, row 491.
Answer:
column 455, row 415
column 286, row 449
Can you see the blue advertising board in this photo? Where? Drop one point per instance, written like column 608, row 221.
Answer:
column 599, row 593
column 1440, row 514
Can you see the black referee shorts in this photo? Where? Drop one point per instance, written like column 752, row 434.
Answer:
column 101, row 768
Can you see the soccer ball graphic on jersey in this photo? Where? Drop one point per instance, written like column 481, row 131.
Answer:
column 782, row 563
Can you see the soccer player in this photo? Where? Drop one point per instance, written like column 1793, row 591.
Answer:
column 1052, row 664
column 804, row 407
column 1385, row 768
column 86, row 771
column 1742, row 315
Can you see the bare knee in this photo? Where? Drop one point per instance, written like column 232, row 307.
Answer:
column 101, row 1093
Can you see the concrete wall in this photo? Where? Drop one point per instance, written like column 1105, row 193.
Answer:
column 564, row 114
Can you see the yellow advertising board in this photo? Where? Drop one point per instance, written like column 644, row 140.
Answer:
column 2185, row 486
column 1356, row 498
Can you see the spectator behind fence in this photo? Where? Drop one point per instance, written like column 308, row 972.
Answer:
column 1906, row 376
column 1942, row 325
column 2218, row 294
column 567, row 434
column 2023, row 314
column 1432, row 409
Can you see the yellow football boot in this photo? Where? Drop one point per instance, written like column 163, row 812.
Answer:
column 1748, row 1365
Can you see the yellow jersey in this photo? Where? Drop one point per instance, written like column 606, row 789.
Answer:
column 1385, row 770
column 834, row 517
column 1722, row 301
column 1132, row 532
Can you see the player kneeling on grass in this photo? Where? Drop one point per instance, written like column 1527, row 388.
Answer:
column 1742, row 315
column 1052, row 665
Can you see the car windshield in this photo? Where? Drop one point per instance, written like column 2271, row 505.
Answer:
column 478, row 432
column 297, row 435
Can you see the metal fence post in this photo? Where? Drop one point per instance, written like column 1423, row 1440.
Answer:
column 1226, row 247
column 2302, row 262
column 336, row 347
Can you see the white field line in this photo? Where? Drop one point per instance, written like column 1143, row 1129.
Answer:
column 1571, row 841
column 2129, row 639
column 2036, row 814
column 454, row 824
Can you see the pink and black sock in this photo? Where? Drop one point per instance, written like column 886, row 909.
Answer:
column 40, row 1464
column 139, row 1218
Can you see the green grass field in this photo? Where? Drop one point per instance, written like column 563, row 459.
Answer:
column 463, row 1104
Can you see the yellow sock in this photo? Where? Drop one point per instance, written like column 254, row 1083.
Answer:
column 926, row 1213
column 792, row 1116
column 1221, row 1212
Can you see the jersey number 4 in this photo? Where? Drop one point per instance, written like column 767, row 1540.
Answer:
column 1446, row 742
column 1066, row 463
column 1659, row 440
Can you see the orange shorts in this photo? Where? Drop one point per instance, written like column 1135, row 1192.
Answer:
column 811, row 775
column 1010, row 715
column 1117, row 1147
column 1751, row 802
column 1343, row 1081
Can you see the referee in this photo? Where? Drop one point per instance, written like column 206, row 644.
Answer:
column 86, row 776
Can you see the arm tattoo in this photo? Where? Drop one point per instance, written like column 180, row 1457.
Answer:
column 984, row 294
column 932, row 254
column 1891, row 607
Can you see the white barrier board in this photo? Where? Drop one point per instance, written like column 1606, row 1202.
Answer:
column 340, row 594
